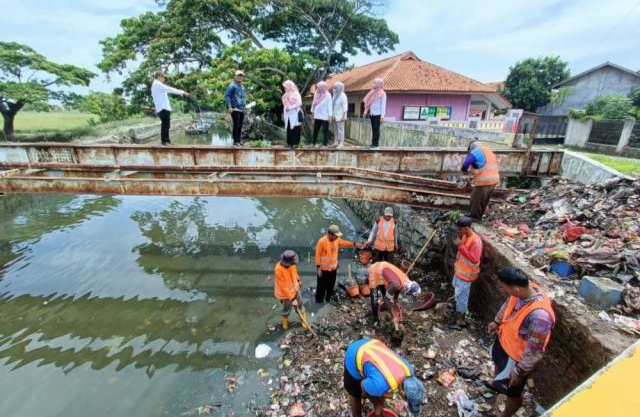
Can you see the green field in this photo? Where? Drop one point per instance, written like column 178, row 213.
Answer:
column 626, row 166
column 31, row 121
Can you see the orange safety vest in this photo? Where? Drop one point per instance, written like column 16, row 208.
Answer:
column 390, row 365
column 385, row 242
column 464, row 268
column 376, row 278
column 327, row 252
column 509, row 330
column 287, row 282
column 489, row 174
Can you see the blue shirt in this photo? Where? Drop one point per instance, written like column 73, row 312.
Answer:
column 373, row 383
column 475, row 158
column 234, row 96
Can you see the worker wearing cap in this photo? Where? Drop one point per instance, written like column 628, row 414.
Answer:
column 384, row 237
column 524, row 325
column 373, row 370
column 466, row 268
column 486, row 176
column 235, row 98
column 160, row 94
column 389, row 280
column 288, row 286
column 327, row 261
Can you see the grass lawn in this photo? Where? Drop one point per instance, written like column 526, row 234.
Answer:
column 628, row 166
column 31, row 121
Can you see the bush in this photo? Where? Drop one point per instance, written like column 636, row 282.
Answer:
column 609, row 107
column 108, row 107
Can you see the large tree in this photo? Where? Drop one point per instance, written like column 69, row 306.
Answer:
column 190, row 38
column 530, row 82
column 27, row 77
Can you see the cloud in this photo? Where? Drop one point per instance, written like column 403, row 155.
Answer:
column 480, row 39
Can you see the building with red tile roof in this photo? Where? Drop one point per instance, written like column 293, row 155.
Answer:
column 419, row 89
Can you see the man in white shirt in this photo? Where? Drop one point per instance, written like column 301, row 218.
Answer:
column 160, row 94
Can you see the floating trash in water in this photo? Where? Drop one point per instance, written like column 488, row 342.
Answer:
column 262, row 351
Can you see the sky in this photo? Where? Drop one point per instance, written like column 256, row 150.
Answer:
column 480, row 39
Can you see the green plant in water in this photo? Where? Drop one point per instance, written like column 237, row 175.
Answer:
column 454, row 215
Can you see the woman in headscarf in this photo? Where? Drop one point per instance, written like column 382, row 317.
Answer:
column 322, row 109
column 292, row 103
column 375, row 104
column 340, row 106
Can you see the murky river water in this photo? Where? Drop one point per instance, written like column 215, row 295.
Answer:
column 140, row 306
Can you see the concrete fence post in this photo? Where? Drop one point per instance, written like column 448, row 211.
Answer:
column 625, row 135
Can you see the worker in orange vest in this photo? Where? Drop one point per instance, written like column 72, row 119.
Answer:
column 524, row 326
column 466, row 269
column 372, row 370
column 486, row 176
column 384, row 237
column 388, row 280
column 287, row 287
column 327, row 261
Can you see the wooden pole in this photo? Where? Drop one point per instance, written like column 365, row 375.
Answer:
column 421, row 251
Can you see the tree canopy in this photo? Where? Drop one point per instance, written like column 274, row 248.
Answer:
column 201, row 42
column 530, row 82
column 27, row 77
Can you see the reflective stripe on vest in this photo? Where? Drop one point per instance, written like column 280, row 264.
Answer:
column 329, row 261
column 390, row 365
column 509, row 330
column 376, row 278
column 464, row 268
column 489, row 174
column 385, row 242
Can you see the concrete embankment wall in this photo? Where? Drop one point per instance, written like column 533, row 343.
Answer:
column 422, row 135
column 585, row 170
column 580, row 344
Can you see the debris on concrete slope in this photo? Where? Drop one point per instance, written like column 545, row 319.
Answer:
column 584, row 240
column 311, row 369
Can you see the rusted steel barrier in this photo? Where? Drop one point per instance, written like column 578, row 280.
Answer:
column 205, row 170
column 418, row 161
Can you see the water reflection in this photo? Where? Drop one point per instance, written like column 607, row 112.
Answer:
column 139, row 306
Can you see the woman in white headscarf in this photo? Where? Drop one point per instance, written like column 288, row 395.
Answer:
column 292, row 104
column 340, row 106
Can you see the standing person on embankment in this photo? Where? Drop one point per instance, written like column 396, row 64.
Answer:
column 486, row 176
column 373, row 370
column 327, row 261
column 160, row 94
column 340, row 108
column 235, row 99
column 292, row 106
column 524, row 325
column 375, row 106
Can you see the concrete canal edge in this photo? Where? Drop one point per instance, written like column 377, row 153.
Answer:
column 580, row 345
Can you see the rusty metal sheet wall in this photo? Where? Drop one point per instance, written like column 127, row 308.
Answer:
column 400, row 160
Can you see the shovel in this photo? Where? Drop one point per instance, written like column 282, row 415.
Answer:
column 305, row 321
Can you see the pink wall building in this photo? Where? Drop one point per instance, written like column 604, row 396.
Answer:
column 420, row 91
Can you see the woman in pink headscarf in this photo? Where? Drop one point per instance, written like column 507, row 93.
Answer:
column 292, row 104
column 322, row 109
column 375, row 104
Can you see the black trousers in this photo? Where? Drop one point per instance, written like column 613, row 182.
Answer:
column 165, row 125
column 375, row 130
column 293, row 135
column 324, row 124
column 325, row 285
column 237, row 117
column 380, row 255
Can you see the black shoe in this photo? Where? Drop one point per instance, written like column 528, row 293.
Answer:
column 166, row 143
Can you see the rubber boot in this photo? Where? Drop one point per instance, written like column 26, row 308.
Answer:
column 285, row 323
column 303, row 314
